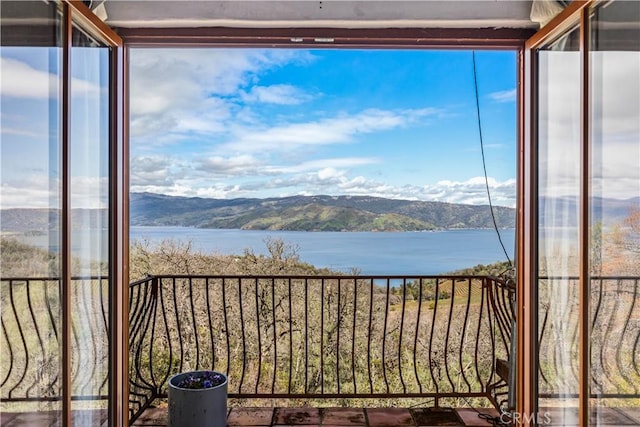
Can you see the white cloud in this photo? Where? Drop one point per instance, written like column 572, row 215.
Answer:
column 219, row 166
column 214, row 191
column 334, row 130
column 245, row 175
column 503, row 96
column 21, row 80
column 326, row 163
column 329, row 173
column 616, row 95
column 191, row 90
column 26, row 195
column 275, row 94
column 89, row 192
column 156, row 170
column 20, row 132
column 615, row 118
column 473, row 191
column 42, row 191
column 337, row 182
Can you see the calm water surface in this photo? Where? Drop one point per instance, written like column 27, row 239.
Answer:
column 402, row 253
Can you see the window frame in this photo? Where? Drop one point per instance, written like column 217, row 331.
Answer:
column 514, row 39
column 76, row 13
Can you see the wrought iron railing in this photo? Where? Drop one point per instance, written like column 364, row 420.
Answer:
column 315, row 337
column 614, row 337
column 308, row 337
column 30, row 339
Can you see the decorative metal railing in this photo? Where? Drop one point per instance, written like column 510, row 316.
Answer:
column 388, row 311
column 308, row 337
column 614, row 337
column 313, row 337
column 30, row 339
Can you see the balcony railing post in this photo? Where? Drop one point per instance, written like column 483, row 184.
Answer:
column 155, row 285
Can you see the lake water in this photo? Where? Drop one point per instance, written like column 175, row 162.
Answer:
column 400, row 253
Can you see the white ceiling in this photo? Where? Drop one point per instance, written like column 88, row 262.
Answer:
column 313, row 14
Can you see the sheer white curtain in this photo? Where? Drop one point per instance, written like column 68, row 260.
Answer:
column 559, row 147
column 90, row 224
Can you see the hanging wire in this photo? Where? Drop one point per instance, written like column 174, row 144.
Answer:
column 484, row 163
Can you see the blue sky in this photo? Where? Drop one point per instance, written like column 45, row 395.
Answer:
column 259, row 123
column 30, row 115
column 269, row 123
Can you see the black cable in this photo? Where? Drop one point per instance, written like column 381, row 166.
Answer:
column 494, row 421
column 484, row 163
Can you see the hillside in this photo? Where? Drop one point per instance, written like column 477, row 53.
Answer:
column 312, row 213
column 40, row 221
column 303, row 213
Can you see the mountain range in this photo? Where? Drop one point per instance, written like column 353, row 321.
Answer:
column 311, row 213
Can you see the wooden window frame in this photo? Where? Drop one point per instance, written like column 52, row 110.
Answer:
column 74, row 12
column 388, row 38
column 576, row 14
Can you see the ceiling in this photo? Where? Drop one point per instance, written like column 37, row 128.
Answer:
column 315, row 14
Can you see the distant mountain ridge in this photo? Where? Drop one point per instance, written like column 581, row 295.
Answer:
column 312, row 213
column 42, row 220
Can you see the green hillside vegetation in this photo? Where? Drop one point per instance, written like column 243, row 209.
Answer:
column 297, row 213
column 312, row 213
column 315, row 217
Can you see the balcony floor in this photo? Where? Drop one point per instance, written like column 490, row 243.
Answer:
column 331, row 417
column 389, row 417
column 338, row 417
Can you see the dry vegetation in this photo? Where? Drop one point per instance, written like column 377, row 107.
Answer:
column 174, row 257
column 295, row 337
column 614, row 308
column 311, row 337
